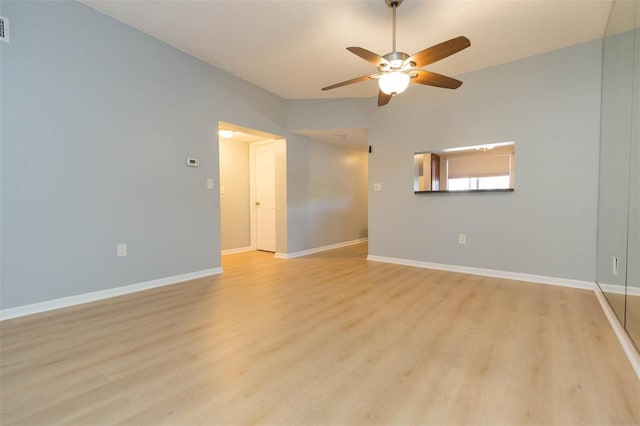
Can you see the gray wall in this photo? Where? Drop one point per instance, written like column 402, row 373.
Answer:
column 328, row 114
column 235, row 227
column 282, row 203
column 326, row 194
column 549, row 105
column 97, row 120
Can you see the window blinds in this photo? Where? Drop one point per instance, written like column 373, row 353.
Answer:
column 478, row 166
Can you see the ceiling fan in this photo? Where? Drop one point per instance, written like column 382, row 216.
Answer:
column 397, row 69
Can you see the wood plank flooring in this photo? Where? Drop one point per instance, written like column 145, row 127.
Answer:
column 328, row 339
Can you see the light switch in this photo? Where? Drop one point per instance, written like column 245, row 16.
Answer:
column 209, row 183
column 377, row 187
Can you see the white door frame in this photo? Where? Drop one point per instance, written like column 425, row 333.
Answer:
column 252, row 191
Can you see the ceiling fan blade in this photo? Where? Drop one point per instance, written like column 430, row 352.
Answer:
column 347, row 82
column 438, row 80
column 383, row 98
column 439, row 51
column 368, row 56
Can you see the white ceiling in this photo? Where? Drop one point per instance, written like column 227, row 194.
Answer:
column 293, row 48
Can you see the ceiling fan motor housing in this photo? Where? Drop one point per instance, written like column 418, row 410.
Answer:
column 395, row 61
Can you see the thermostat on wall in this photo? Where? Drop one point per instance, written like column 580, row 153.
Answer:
column 193, row 162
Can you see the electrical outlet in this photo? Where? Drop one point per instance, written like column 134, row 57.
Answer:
column 121, row 250
column 192, row 162
column 209, row 183
column 462, row 238
column 377, row 187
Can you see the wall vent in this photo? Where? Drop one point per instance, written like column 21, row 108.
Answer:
column 4, row 29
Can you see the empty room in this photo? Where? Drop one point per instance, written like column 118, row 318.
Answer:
column 311, row 212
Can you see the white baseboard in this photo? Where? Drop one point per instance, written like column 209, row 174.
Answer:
column 540, row 279
column 619, row 289
column 236, row 250
column 48, row 305
column 621, row 334
column 320, row 249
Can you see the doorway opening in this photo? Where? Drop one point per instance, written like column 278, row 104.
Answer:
column 252, row 190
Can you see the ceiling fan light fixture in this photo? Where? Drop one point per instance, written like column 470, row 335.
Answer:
column 397, row 69
column 394, row 83
column 226, row 134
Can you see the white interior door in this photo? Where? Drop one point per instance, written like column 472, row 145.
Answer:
column 265, row 184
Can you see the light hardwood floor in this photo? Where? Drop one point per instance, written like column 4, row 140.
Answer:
column 328, row 339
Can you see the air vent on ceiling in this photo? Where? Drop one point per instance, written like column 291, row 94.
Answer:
column 4, row 29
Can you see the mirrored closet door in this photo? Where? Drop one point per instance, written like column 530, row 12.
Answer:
column 618, row 263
